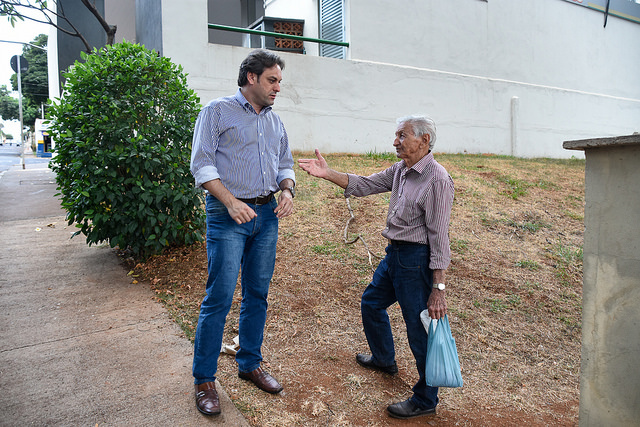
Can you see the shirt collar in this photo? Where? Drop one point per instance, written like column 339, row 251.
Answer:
column 247, row 105
column 421, row 164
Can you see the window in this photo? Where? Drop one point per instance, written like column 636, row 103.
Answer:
column 332, row 27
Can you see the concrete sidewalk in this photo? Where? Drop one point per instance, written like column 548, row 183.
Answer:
column 79, row 343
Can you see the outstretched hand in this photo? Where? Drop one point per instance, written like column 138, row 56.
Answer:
column 315, row 167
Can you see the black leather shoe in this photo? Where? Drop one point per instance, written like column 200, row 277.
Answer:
column 207, row 398
column 367, row 361
column 407, row 409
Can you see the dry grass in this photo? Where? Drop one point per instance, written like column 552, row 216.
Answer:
column 514, row 297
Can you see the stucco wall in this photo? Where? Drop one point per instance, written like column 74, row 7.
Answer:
column 545, row 42
column 351, row 105
column 185, row 35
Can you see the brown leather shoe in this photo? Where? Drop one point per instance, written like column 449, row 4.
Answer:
column 262, row 380
column 207, row 398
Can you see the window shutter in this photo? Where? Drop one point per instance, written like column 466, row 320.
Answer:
column 332, row 27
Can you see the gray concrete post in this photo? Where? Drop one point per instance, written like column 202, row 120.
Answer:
column 610, row 369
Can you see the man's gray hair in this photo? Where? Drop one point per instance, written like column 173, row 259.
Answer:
column 421, row 125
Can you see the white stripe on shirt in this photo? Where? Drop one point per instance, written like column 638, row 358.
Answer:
column 248, row 152
column 420, row 204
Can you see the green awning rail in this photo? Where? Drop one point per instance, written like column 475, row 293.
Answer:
column 272, row 34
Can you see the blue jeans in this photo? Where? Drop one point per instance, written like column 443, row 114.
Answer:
column 404, row 276
column 252, row 247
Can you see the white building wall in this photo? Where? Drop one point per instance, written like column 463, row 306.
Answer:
column 185, row 37
column 544, row 42
column 490, row 90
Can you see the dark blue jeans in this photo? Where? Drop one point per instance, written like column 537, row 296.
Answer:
column 230, row 246
column 404, row 276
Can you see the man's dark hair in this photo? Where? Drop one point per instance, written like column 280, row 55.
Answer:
column 256, row 62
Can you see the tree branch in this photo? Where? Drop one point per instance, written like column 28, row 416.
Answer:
column 10, row 8
column 358, row 237
column 87, row 46
column 109, row 29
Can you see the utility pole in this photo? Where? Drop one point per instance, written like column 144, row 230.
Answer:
column 20, row 105
column 19, row 64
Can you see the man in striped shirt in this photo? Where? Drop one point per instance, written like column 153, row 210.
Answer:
column 241, row 158
column 413, row 270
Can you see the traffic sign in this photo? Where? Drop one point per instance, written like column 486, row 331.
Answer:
column 24, row 65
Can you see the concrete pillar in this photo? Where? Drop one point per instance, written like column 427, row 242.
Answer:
column 515, row 108
column 610, row 368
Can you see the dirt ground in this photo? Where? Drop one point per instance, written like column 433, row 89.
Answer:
column 514, row 293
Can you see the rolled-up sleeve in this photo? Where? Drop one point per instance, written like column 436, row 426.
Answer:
column 205, row 144
column 285, row 166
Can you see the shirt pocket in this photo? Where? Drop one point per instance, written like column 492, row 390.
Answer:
column 241, row 136
column 409, row 212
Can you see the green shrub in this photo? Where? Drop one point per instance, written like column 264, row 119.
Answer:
column 122, row 132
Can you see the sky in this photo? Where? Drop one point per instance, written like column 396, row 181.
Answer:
column 24, row 31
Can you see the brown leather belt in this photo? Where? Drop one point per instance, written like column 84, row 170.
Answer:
column 260, row 200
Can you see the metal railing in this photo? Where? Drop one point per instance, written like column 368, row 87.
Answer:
column 272, row 34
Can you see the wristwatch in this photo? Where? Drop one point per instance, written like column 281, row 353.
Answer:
column 439, row 286
column 292, row 190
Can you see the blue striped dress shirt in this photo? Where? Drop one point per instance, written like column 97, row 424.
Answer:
column 419, row 207
column 248, row 152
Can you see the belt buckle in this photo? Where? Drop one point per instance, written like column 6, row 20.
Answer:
column 266, row 199
column 263, row 200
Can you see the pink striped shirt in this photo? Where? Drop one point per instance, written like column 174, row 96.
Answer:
column 420, row 205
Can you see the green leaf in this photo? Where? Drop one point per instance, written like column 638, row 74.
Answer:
column 123, row 150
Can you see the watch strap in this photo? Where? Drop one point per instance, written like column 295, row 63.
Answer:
column 292, row 190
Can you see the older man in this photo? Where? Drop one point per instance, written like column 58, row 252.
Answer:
column 413, row 270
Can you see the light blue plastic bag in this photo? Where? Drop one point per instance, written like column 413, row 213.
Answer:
column 442, row 367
